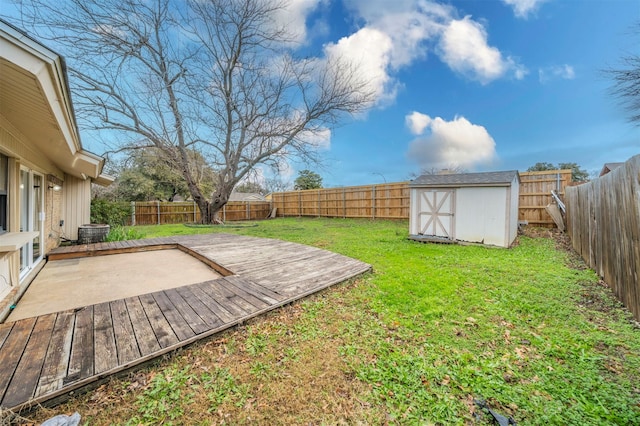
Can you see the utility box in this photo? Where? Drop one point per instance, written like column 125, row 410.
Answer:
column 471, row 207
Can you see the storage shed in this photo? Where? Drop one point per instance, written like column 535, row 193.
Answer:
column 473, row 207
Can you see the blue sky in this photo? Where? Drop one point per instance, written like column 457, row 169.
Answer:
column 484, row 85
column 478, row 84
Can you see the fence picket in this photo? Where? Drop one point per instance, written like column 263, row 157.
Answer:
column 604, row 226
column 153, row 213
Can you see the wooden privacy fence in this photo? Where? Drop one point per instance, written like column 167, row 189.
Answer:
column 391, row 200
column 382, row 201
column 604, row 225
column 535, row 195
column 160, row 213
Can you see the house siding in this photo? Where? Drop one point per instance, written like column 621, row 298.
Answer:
column 76, row 206
column 53, row 215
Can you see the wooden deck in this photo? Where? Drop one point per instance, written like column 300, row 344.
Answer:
column 46, row 357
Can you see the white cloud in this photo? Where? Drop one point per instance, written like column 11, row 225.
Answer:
column 522, row 8
column 318, row 139
column 446, row 143
column 464, row 48
column 565, row 72
column 417, row 122
column 369, row 50
column 408, row 23
column 293, row 17
column 395, row 34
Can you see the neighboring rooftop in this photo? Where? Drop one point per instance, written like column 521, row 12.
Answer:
column 467, row 179
column 609, row 167
column 246, row 196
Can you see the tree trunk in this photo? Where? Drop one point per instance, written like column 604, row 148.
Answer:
column 209, row 209
column 207, row 215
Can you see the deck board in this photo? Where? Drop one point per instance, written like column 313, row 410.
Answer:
column 145, row 337
column 178, row 324
column 212, row 303
column 49, row 356
column 82, row 351
column 5, row 329
column 106, row 352
column 247, row 296
column 56, row 360
column 12, row 352
column 30, row 366
column 197, row 324
column 199, row 307
column 126, row 343
column 233, row 299
column 161, row 328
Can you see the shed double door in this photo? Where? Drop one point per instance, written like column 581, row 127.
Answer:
column 436, row 212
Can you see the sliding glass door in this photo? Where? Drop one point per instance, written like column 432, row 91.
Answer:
column 31, row 218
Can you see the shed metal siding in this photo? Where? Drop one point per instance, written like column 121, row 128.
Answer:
column 481, row 215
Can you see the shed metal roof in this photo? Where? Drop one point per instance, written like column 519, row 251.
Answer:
column 467, row 179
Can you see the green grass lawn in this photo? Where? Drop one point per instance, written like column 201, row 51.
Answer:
column 530, row 330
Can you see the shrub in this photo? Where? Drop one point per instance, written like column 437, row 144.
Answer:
column 114, row 213
column 120, row 233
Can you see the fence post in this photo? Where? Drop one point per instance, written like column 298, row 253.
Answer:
column 194, row 212
column 299, row 204
column 247, row 213
column 224, row 213
column 319, row 209
column 133, row 213
column 373, row 201
column 344, row 203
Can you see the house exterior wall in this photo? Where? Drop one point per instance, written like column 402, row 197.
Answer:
column 76, row 206
column 53, row 216
column 481, row 215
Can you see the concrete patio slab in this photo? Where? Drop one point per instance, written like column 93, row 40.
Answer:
column 74, row 283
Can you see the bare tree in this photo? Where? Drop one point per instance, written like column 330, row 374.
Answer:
column 277, row 184
column 452, row 169
column 212, row 76
column 626, row 82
